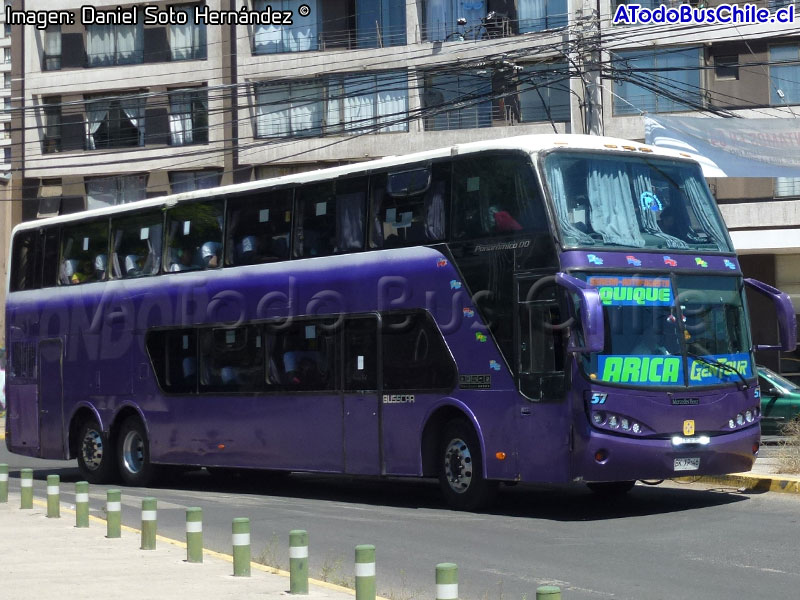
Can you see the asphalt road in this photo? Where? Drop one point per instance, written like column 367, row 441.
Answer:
column 669, row 541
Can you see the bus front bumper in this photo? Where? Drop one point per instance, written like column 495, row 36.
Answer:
column 607, row 457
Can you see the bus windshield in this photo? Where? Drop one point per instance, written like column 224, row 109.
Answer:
column 685, row 331
column 635, row 201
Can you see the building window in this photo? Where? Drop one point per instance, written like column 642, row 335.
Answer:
column 108, row 191
column 114, row 123
column 520, row 16
column 333, row 24
column 671, row 77
column 7, row 80
column 7, row 155
column 7, row 55
column 470, row 92
column 6, row 105
column 301, row 35
column 188, row 181
column 350, row 104
column 787, row 187
column 188, row 117
column 726, row 67
column 544, row 93
column 368, row 103
column 51, row 140
column 51, row 58
column 290, row 109
column 187, row 42
column 784, row 75
column 114, row 45
column 380, row 23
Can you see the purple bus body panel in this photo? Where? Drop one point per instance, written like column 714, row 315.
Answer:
column 107, row 367
column 22, row 419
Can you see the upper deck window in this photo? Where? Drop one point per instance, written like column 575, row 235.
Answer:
column 194, row 236
column 259, row 228
column 633, row 201
column 409, row 207
column 495, row 195
column 84, row 253
column 136, row 245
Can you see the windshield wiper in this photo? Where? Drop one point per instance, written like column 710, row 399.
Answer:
column 721, row 366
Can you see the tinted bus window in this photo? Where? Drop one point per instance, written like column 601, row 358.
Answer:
column 259, row 228
column 84, row 253
column 409, row 207
column 50, row 265
column 194, row 236
column 330, row 217
column 232, row 360
column 361, row 353
column 415, row 357
column 136, row 245
column 174, row 357
column 302, row 357
column 495, row 195
column 25, row 261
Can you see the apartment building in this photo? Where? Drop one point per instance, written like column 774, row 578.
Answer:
column 113, row 113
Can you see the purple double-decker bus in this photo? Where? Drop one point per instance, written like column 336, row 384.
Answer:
column 537, row 309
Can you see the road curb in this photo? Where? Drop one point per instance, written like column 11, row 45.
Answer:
column 786, row 484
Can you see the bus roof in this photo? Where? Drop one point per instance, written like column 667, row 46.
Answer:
column 525, row 143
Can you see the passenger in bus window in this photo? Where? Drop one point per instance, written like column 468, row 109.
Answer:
column 184, row 262
column 210, row 254
column 84, row 273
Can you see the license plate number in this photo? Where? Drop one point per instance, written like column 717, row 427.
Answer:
column 687, row 464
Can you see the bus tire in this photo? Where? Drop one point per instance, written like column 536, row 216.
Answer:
column 133, row 453
column 461, row 468
column 96, row 456
column 611, row 489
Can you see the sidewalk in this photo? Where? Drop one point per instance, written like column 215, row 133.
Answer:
column 51, row 558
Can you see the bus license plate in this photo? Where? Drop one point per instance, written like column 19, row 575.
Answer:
column 687, row 464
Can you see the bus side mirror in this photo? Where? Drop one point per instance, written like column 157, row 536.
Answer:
column 591, row 313
column 787, row 320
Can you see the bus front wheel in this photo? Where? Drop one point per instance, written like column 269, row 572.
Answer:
column 461, row 468
column 133, row 452
column 95, row 454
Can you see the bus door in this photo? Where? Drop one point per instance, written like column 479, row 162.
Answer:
column 541, row 365
column 361, row 401
column 51, row 403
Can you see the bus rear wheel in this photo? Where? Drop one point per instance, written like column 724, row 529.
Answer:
column 133, row 453
column 95, row 454
column 461, row 468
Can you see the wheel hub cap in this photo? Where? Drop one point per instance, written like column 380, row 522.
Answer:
column 92, row 450
column 133, row 452
column 458, row 465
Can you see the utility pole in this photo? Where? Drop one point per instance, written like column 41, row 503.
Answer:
column 587, row 58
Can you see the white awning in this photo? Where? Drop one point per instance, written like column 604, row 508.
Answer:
column 731, row 147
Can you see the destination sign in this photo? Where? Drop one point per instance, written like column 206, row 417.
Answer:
column 620, row 290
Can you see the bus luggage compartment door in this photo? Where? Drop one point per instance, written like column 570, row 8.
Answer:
column 51, row 402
